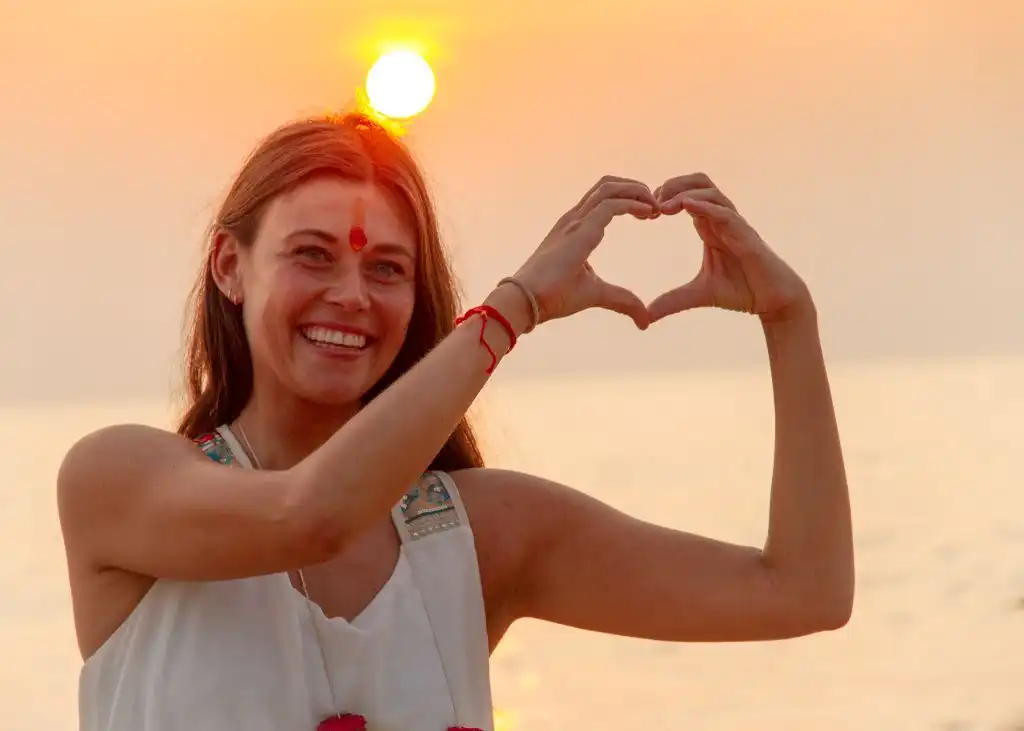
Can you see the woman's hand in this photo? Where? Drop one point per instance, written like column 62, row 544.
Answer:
column 558, row 273
column 739, row 271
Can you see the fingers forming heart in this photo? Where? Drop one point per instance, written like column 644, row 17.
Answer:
column 697, row 185
column 728, row 239
column 715, row 218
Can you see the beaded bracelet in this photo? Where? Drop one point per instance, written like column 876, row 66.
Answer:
column 534, row 307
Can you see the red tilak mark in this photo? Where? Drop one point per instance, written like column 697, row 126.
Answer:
column 357, row 238
column 357, row 234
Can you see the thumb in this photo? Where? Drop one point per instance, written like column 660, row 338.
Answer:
column 619, row 299
column 689, row 296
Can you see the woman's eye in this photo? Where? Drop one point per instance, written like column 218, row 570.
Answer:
column 388, row 269
column 316, row 254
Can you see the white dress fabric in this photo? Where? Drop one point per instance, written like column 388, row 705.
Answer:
column 243, row 655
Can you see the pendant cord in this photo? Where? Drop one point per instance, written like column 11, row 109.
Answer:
column 302, row 580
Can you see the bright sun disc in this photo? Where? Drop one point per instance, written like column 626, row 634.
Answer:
column 400, row 84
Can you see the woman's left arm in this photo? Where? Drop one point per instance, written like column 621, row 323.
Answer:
column 582, row 563
column 810, row 534
column 585, row 564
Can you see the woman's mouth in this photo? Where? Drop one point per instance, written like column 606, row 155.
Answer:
column 336, row 340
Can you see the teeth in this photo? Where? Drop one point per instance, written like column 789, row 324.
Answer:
column 328, row 336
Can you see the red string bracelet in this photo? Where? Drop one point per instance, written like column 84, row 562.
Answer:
column 486, row 313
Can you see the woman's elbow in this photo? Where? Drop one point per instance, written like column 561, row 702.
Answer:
column 830, row 612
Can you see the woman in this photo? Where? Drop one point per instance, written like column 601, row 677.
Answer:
column 301, row 552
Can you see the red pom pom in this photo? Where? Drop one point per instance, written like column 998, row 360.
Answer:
column 346, row 722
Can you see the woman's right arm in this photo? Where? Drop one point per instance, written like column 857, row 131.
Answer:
column 150, row 502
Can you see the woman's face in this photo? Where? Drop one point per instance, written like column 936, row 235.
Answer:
column 326, row 310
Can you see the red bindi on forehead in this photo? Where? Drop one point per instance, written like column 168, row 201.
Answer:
column 357, row 234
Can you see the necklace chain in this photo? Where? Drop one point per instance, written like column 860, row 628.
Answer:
column 247, row 445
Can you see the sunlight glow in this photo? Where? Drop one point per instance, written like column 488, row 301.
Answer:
column 400, row 84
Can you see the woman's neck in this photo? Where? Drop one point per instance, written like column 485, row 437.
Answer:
column 284, row 431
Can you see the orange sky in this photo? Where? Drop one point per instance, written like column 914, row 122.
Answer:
column 876, row 144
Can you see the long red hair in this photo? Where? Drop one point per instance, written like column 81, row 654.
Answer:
column 218, row 361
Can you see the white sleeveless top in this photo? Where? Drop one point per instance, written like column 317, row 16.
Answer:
column 243, row 655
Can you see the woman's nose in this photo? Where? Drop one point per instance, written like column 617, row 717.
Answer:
column 349, row 291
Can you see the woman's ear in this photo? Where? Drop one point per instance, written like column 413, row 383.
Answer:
column 226, row 266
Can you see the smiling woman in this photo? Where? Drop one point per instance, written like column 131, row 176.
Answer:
column 337, row 227
column 319, row 544
column 348, row 307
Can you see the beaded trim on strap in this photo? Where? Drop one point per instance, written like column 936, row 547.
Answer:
column 428, row 508
column 214, row 447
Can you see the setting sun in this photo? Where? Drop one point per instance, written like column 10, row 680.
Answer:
column 400, row 84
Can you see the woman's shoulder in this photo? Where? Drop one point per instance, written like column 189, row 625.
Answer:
column 508, row 510
column 127, row 442
column 519, row 512
column 122, row 451
column 508, row 490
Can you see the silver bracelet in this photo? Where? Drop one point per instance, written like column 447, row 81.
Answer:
column 534, row 307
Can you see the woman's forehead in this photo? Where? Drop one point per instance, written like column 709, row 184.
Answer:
column 335, row 206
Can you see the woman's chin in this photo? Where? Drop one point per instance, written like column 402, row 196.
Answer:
column 334, row 387
column 333, row 380
column 335, row 393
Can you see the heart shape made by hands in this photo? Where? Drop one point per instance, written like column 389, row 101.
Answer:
column 630, row 274
column 734, row 262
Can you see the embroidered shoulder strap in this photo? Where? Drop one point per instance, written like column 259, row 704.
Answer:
column 428, row 507
column 222, row 446
column 215, row 447
column 438, row 543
